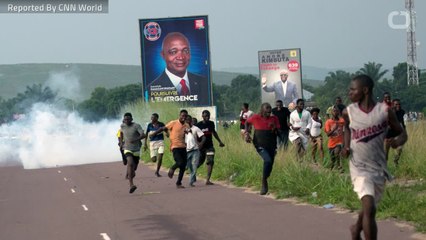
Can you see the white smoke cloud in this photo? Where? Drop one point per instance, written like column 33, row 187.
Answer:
column 48, row 137
column 66, row 84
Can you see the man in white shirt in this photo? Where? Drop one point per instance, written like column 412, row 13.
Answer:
column 315, row 134
column 300, row 120
column 193, row 148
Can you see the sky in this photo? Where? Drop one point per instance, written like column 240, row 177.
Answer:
column 331, row 33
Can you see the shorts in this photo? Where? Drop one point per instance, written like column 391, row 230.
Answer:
column 317, row 142
column 134, row 155
column 207, row 155
column 367, row 186
column 156, row 147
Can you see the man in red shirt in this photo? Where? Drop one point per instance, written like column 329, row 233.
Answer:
column 266, row 128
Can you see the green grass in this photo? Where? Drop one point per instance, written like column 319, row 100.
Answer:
column 238, row 163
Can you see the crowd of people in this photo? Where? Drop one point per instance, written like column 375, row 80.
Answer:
column 191, row 144
column 365, row 131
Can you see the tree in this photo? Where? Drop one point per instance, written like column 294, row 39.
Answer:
column 106, row 103
column 373, row 70
column 336, row 85
column 228, row 99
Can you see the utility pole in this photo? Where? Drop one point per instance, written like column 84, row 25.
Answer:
column 412, row 69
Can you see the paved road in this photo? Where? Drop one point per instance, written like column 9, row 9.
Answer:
column 92, row 202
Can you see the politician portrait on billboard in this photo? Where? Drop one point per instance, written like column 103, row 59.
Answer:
column 175, row 60
column 281, row 76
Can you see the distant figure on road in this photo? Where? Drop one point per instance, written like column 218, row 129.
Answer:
column 265, row 134
column 132, row 134
column 366, row 123
column 156, row 142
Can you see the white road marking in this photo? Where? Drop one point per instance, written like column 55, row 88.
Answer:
column 85, row 208
column 65, row 179
column 105, row 236
column 59, row 171
column 72, row 190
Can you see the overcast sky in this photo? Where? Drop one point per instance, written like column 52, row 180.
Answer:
column 330, row 33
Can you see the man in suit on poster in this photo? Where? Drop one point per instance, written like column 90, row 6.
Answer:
column 284, row 90
column 176, row 52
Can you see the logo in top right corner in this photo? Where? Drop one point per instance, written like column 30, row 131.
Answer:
column 293, row 66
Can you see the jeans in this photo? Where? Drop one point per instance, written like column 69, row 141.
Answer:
column 282, row 139
column 179, row 155
column 192, row 164
column 268, row 156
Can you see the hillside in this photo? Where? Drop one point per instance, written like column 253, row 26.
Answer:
column 15, row 78
column 77, row 81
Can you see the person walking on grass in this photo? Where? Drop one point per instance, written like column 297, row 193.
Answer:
column 156, row 142
column 366, row 122
column 266, row 128
column 244, row 115
column 193, row 148
column 300, row 120
column 177, row 130
column 207, row 152
column 396, row 106
column 315, row 135
column 334, row 130
column 130, row 140
column 283, row 115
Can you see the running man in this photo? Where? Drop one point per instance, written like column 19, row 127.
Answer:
column 366, row 122
column 193, row 148
column 315, row 135
column 396, row 105
column 334, row 130
column 266, row 129
column 207, row 151
column 300, row 120
column 156, row 142
column 132, row 134
column 177, row 129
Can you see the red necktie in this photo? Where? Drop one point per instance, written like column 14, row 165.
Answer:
column 183, row 89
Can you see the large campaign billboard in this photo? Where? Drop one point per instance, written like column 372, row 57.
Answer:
column 176, row 60
column 281, row 75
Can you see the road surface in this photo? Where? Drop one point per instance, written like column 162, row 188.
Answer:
column 92, row 202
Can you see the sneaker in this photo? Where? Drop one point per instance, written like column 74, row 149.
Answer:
column 179, row 186
column 132, row 189
column 157, row 174
column 191, row 184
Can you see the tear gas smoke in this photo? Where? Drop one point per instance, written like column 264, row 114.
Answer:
column 48, row 137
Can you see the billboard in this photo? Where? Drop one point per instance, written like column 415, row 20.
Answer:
column 176, row 60
column 280, row 75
